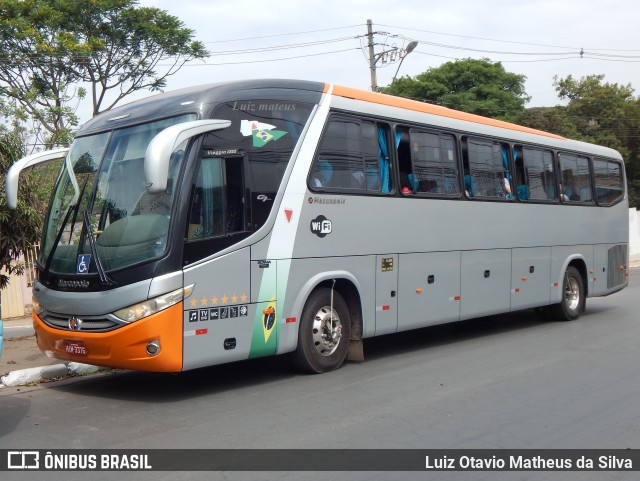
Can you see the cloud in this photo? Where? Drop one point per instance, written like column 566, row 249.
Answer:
column 506, row 31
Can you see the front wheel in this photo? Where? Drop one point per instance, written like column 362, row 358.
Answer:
column 573, row 297
column 324, row 334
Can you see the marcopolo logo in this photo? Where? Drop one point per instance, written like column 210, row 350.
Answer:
column 321, row 226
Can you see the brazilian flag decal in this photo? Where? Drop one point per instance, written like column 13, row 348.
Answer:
column 262, row 137
column 264, row 340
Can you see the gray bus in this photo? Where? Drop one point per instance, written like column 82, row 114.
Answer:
column 255, row 218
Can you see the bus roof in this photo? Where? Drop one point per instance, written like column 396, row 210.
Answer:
column 408, row 104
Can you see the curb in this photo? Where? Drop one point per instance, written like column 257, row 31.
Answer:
column 35, row 375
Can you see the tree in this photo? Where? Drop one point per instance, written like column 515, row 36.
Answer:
column 50, row 48
column 550, row 119
column 606, row 114
column 477, row 86
column 18, row 228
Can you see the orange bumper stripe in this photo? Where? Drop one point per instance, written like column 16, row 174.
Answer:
column 123, row 348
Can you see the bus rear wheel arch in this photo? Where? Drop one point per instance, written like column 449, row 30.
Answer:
column 324, row 332
column 574, row 296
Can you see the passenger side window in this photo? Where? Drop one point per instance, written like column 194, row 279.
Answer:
column 351, row 157
column 576, row 179
column 217, row 204
column 434, row 163
column 486, row 167
column 535, row 174
column 609, row 181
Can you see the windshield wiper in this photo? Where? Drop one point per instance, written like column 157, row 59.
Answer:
column 72, row 208
column 105, row 280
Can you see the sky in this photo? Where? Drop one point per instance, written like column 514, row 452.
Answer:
column 326, row 41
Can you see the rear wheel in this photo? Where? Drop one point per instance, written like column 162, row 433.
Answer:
column 573, row 297
column 325, row 330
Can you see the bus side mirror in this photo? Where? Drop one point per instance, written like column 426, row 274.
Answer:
column 159, row 150
column 25, row 164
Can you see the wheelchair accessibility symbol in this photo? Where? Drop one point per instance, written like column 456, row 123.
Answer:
column 83, row 264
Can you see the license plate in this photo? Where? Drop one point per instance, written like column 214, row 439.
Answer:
column 77, row 348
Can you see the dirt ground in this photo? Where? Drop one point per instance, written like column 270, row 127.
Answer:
column 22, row 353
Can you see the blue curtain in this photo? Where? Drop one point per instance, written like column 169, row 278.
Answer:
column 383, row 160
column 505, row 162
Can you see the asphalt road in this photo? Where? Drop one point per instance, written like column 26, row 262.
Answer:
column 508, row 381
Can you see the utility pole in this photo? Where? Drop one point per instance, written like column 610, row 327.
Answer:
column 372, row 59
column 394, row 52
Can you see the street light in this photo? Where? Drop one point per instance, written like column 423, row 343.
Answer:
column 403, row 53
column 374, row 57
column 394, row 53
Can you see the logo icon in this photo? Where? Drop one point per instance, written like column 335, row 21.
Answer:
column 262, row 133
column 268, row 321
column 75, row 324
column 83, row 264
column 23, row 460
column 321, row 226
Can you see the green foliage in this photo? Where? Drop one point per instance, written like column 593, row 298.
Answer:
column 125, row 44
column 550, row 119
column 50, row 47
column 599, row 112
column 477, row 86
column 18, row 228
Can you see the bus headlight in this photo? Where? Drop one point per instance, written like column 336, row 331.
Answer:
column 35, row 305
column 150, row 306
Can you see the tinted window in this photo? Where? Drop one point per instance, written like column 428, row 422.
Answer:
column 486, row 169
column 576, row 179
column 349, row 157
column 609, row 182
column 434, row 163
column 535, row 174
column 217, row 206
column 266, row 132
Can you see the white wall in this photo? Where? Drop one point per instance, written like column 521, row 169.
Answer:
column 634, row 235
column 12, row 298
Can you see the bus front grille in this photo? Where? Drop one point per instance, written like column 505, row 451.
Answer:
column 81, row 324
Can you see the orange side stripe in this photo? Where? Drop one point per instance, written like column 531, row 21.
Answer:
column 403, row 103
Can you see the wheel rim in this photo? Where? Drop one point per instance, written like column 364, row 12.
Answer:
column 572, row 293
column 327, row 331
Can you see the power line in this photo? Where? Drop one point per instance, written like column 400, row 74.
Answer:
column 284, row 34
column 590, row 54
column 267, row 60
column 506, row 41
column 282, row 47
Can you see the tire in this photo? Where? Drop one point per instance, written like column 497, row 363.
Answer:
column 321, row 347
column 573, row 297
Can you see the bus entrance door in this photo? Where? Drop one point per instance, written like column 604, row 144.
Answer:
column 386, row 294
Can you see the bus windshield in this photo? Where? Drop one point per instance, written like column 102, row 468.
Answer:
column 104, row 176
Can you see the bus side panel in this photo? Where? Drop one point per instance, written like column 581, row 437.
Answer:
column 599, row 274
column 530, row 277
column 306, row 274
column 387, row 268
column 486, row 282
column 220, row 319
column 614, row 273
column 561, row 257
column 429, row 291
